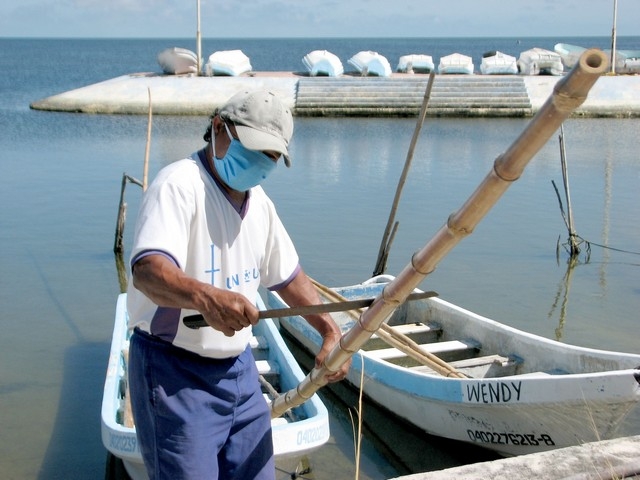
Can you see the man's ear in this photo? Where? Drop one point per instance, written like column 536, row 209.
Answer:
column 218, row 124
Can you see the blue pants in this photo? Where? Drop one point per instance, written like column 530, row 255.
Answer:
column 198, row 418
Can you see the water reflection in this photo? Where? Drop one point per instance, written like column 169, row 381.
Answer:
column 562, row 297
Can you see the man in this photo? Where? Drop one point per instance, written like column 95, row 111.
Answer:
column 207, row 237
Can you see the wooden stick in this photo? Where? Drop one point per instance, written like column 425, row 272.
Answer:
column 573, row 243
column 145, row 168
column 397, row 339
column 385, row 244
column 122, row 213
column 569, row 93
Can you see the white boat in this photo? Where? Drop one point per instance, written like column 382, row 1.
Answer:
column 178, row 61
column 371, row 63
column 322, row 63
column 456, row 63
column 627, row 61
column 231, row 63
column 498, row 63
column 538, row 61
column 570, row 54
column 517, row 393
column 415, row 63
column 294, row 435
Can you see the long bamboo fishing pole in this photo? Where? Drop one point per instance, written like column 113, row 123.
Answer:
column 568, row 94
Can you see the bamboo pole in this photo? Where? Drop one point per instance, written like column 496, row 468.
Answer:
column 145, row 168
column 568, row 94
column 122, row 212
column 613, row 38
column 198, row 41
column 387, row 237
column 573, row 243
column 122, row 206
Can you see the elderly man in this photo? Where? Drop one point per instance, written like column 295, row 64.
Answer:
column 206, row 238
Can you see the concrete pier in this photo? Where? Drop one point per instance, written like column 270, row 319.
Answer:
column 608, row 460
column 398, row 95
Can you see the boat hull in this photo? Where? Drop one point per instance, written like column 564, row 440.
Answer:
column 291, row 439
column 322, row 63
column 498, row 64
column 626, row 61
column 415, row 63
column 230, row 63
column 538, row 61
column 178, row 61
column 371, row 63
column 456, row 63
column 519, row 413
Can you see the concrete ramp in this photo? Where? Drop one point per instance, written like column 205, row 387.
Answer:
column 455, row 95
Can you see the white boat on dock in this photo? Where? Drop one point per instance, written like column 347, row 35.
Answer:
column 415, row 63
column 369, row 63
column 538, row 61
column 626, row 61
column 458, row 375
column 323, row 63
column 227, row 63
column 178, row 61
column 295, row 434
column 570, row 54
column 456, row 63
column 498, row 63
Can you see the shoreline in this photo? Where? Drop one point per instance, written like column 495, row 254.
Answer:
column 400, row 95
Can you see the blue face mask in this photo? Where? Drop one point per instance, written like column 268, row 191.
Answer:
column 241, row 168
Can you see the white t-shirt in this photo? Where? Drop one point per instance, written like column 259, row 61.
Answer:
column 186, row 216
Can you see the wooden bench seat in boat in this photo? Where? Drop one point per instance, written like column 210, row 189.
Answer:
column 488, row 366
column 259, row 347
column 449, row 350
column 418, row 332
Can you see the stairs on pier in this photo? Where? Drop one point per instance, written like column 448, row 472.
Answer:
column 451, row 95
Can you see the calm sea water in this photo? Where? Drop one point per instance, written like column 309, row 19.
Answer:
column 60, row 186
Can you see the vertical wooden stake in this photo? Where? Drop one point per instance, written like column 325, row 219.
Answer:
column 386, row 243
column 574, row 248
column 145, row 170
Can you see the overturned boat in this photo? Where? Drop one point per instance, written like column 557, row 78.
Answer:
column 456, row 63
column 498, row 63
column 227, row 63
column 415, row 63
column 626, row 61
column 370, row 63
column 323, row 63
column 538, row 61
column 178, row 61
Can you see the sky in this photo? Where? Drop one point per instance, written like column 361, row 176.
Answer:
column 316, row 18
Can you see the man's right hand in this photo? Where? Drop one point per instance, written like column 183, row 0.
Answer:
column 166, row 285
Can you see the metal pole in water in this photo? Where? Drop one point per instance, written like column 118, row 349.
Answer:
column 198, row 40
column 613, row 37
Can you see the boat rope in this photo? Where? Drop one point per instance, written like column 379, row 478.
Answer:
column 273, row 393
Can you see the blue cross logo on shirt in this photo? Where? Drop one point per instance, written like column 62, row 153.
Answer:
column 213, row 264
